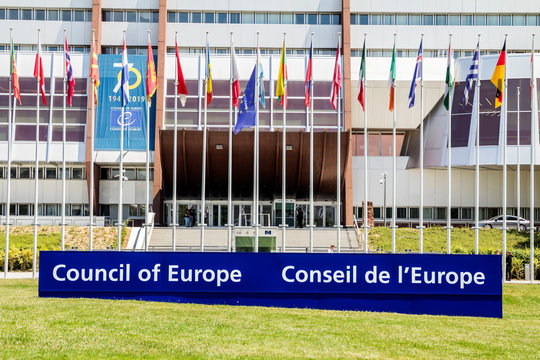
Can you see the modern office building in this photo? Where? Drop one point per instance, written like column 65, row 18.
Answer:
column 295, row 22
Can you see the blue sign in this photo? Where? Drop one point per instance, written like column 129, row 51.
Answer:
column 108, row 112
column 466, row 285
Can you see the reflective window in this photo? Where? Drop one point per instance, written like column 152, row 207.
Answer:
column 325, row 19
column 144, row 16
column 13, row 14
column 299, row 19
column 388, row 19
column 107, row 15
column 453, row 20
column 77, row 173
column 260, row 18
column 363, row 19
column 414, row 213
column 118, row 16
column 50, row 173
column 414, row 20
column 506, row 20
column 336, row 19
column 401, row 19
column 286, row 18
column 428, row 19
column 248, row 18
column 493, row 20
column 209, row 18
column 479, row 20
column 273, row 18
column 155, row 16
column 222, row 18
column 312, row 19
column 532, row 20
column 131, row 16
column 66, row 15
column 440, row 20
column 519, row 20
column 234, row 18
column 26, row 14
column 466, row 20
column 2, row 14
column 376, row 20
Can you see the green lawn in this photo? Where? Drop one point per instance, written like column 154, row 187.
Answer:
column 32, row 328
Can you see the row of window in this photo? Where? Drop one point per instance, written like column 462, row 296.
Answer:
column 439, row 213
column 42, row 14
column 446, row 20
column 129, row 173
column 50, row 48
column 46, row 209
column 142, row 16
column 379, row 144
column 51, row 173
column 132, row 50
column 133, row 210
column 253, row 18
column 440, row 53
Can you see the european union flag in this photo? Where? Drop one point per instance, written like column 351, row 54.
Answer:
column 246, row 110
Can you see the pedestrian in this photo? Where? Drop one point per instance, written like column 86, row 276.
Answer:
column 497, row 252
column 299, row 217
column 191, row 216
column 508, row 266
column 332, row 249
column 186, row 218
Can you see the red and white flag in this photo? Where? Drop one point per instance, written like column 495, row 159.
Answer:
column 234, row 78
column 69, row 74
column 182, row 90
column 38, row 72
column 336, row 79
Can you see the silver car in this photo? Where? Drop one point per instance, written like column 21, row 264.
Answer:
column 511, row 222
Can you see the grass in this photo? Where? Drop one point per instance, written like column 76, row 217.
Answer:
column 32, row 327
column 435, row 239
column 49, row 237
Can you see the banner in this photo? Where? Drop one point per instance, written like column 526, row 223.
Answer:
column 467, row 285
column 108, row 111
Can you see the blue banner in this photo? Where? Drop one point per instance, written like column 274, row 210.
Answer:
column 468, row 285
column 109, row 110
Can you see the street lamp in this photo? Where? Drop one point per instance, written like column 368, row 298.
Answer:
column 382, row 181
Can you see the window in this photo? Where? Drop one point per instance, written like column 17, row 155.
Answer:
column 363, row 19
column 428, row 213
column 234, row 18
column 388, row 19
column 273, row 18
column 39, row 15
column 377, row 213
column 401, row 19
column 454, row 213
column 414, row 213
column 532, row 20
column 414, row 20
column 286, row 18
column 13, row 14
column 248, row 18
column 76, row 210
column 466, row 20
column 2, row 14
column 50, row 209
column 440, row 20
column 428, row 19
column 78, row 15
column 50, row 173
column 401, row 213
column 506, row 20
column 77, row 173
column 133, row 210
column 209, row 18
column 106, row 210
column 107, row 15
column 336, row 19
column 453, row 20
column 222, row 18
column 312, row 19
column 129, row 174
column 131, row 16
column 299, row 19
column 155, row 16
column 389, row 212
column 144, row 16
column 493, row 20
column 13, row 172
column 480, row 20
column 467, row 213
column 26, row 14
column 89, row 15
column 519, row 20
column 183, row 17
column 66, row 15
column 24, row 173
column 260, row 18
column 440, row 213
column 25, row 209
column 118, row 16
column 376, row 20
column 354, row 19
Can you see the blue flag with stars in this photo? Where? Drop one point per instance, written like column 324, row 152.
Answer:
column 247, row 111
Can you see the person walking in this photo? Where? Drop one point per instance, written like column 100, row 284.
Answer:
column 508, row 266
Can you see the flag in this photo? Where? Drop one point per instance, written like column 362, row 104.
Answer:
column 94, row 71
column 125, row 77
column 151, row 78
column 209, row 91
column 533, row 79
column 392, row 78
column 234, row 78
column 417, row 77
column 261, row 79
column 471, row 76
column 38, row 72
column 247, row 111
column 449, row 80
column 15, row 77
column 181, row 88
column 69, row 73
column 362, row 78
column 307, row 83
column 281, row 88
column 336, row 80
column 498, row 76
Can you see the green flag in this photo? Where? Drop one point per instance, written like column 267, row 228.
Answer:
column 449, row 80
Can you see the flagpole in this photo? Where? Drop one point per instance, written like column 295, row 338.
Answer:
column 311, row 135
column 449, row 206
column 203, row 183
column 338, row 164
column 283, row 170
column 92, row 129
column 175, row 151
column 147, row 183
column 505, row 130
column 257, row 84
column 518, row 177
column 533, row 153
column 394, row 165
column 121, row 170
column 63, row 149
column 477, row 167
column 36, row 170
column 421, row 227
column 365, row 207
column 229, row 174
column 8, row 195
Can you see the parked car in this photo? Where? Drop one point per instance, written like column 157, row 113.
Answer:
column 511, row 222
